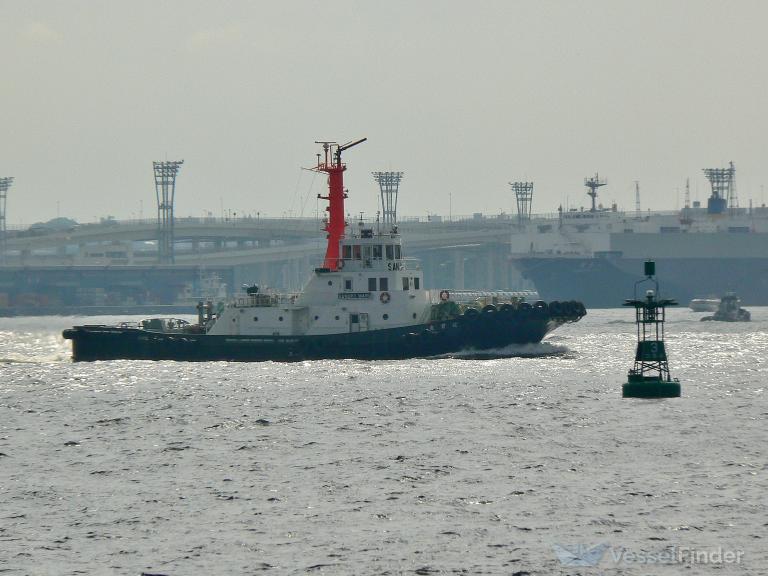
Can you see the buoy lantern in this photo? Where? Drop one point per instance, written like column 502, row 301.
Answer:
column 650, row 377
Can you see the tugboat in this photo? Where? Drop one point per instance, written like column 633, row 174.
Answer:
column 366, row 301
column 730, row 310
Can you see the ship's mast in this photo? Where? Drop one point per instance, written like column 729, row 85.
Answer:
column 593, row 184
column 331, row 164
column 723, row 189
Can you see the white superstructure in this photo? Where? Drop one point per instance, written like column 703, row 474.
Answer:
column 375, row 287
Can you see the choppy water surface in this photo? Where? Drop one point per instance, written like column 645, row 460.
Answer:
column 443, row 466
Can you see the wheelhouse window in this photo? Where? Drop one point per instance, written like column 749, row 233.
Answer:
column 406, row 284
column 390, row 252
column 397, row 252
column 371, row 284
column 377, row 252
column 383, row 284
column 346, row 252
column 356, row 251
column 416, row 283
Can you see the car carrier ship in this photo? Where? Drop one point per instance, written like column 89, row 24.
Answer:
column 592, row 255
column 366, row 301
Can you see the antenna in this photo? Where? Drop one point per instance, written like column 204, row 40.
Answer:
column 593, row 184
column 733, row 200
column 637, row 198
column 687, row 192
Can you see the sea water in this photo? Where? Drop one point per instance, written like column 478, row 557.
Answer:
column 527, row 462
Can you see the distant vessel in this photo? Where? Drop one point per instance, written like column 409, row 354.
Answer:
column 367, row 301
column 729, row 310
column 590, row 255
column 704, row 304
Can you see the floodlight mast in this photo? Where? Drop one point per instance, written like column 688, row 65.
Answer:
column 389, row 185
column 165, row 192
column 524, row 197
column 5, row 183
column 332, row 165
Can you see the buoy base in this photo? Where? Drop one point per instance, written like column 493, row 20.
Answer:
column 650, row 387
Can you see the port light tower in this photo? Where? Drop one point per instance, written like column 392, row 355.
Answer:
column 5, row 183
column 650, row 377
column 723, row 182
column 593, row 183
column 524, row 198
column 389, row 184
column 165, row 192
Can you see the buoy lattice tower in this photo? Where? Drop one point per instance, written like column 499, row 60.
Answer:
column 649, row 377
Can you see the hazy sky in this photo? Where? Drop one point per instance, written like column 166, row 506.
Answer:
column 461, row 96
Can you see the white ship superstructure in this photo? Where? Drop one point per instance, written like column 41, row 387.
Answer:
column 374, row 287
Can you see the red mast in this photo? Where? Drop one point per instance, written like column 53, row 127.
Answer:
column 332, row 165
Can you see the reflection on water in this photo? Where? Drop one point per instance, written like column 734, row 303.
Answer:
column 447, row 465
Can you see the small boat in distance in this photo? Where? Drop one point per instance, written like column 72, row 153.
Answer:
column 366, row 301
column 704, row 304
column 729, row 310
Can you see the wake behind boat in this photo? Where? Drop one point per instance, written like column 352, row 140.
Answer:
column 366, row 301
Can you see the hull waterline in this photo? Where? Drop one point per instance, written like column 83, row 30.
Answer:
column 483, row 331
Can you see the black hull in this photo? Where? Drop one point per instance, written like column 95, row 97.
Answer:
column 606, row 282
column 481, row 332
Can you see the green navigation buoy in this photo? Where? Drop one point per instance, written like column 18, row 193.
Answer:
column 649, row 377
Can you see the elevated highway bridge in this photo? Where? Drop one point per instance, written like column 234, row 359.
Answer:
column 469, row 252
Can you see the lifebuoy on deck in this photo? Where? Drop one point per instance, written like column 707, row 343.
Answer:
column 444, row 295
column 384, row 297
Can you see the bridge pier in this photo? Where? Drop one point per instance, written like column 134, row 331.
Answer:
column 490, row 269
column 458, row 270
